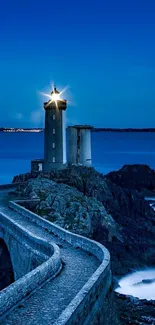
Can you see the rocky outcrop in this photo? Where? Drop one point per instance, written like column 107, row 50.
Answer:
column 83, row 191
column 69, row 208
column 137, row 177
column 133, row 311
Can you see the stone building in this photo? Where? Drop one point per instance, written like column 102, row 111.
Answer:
column 79, row 145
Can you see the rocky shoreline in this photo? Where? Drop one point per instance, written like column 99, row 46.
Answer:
column 133, row 311
column 110, row 209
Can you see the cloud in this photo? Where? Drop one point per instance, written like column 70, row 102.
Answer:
column 37, row 117
column 18, row 116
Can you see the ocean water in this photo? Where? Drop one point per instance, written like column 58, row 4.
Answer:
column 140, row 284
column 110, row 151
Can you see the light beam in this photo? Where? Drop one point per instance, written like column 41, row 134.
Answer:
column 54, row 96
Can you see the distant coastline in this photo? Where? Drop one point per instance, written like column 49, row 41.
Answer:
column 21, row 130
column 123, row 130
column 2, row 129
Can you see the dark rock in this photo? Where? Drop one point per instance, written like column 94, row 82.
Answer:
column 6, row 269
column 129, row 210
column 137, row 177
column 24, row 177
column 69, row 208
column 134, row 311
column 144, row 281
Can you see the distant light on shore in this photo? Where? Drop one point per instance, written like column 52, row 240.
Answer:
column 21, row 130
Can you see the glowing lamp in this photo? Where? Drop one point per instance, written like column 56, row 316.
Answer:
column 55, row 98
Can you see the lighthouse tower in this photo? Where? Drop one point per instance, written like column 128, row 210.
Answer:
column 55, row 132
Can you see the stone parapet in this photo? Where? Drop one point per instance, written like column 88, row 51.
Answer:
column 83, row 308
column 47, row 252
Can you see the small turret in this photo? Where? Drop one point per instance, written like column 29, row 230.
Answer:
column 79, row 145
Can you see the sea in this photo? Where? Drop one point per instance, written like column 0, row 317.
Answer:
column 110, row 151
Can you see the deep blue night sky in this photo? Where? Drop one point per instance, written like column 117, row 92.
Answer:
column 105, row 51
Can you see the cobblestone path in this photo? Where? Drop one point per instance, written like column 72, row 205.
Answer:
column 46, row 304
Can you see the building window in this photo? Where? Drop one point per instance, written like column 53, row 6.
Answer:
column 53, row 116
column 53, row 131
column 40, row 166
column 53, row 145
column 53, row 159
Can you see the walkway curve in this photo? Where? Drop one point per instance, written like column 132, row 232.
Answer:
column 83, row 274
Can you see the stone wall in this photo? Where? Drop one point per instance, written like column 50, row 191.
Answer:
column 26, row 251
column 33, row 259
column 89, row 304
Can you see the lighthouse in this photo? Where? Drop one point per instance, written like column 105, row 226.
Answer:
column 55, row 132
column 79, row 138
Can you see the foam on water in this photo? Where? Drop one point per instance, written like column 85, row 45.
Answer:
column 132, row 284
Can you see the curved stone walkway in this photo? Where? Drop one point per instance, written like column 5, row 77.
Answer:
column 46, row 304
